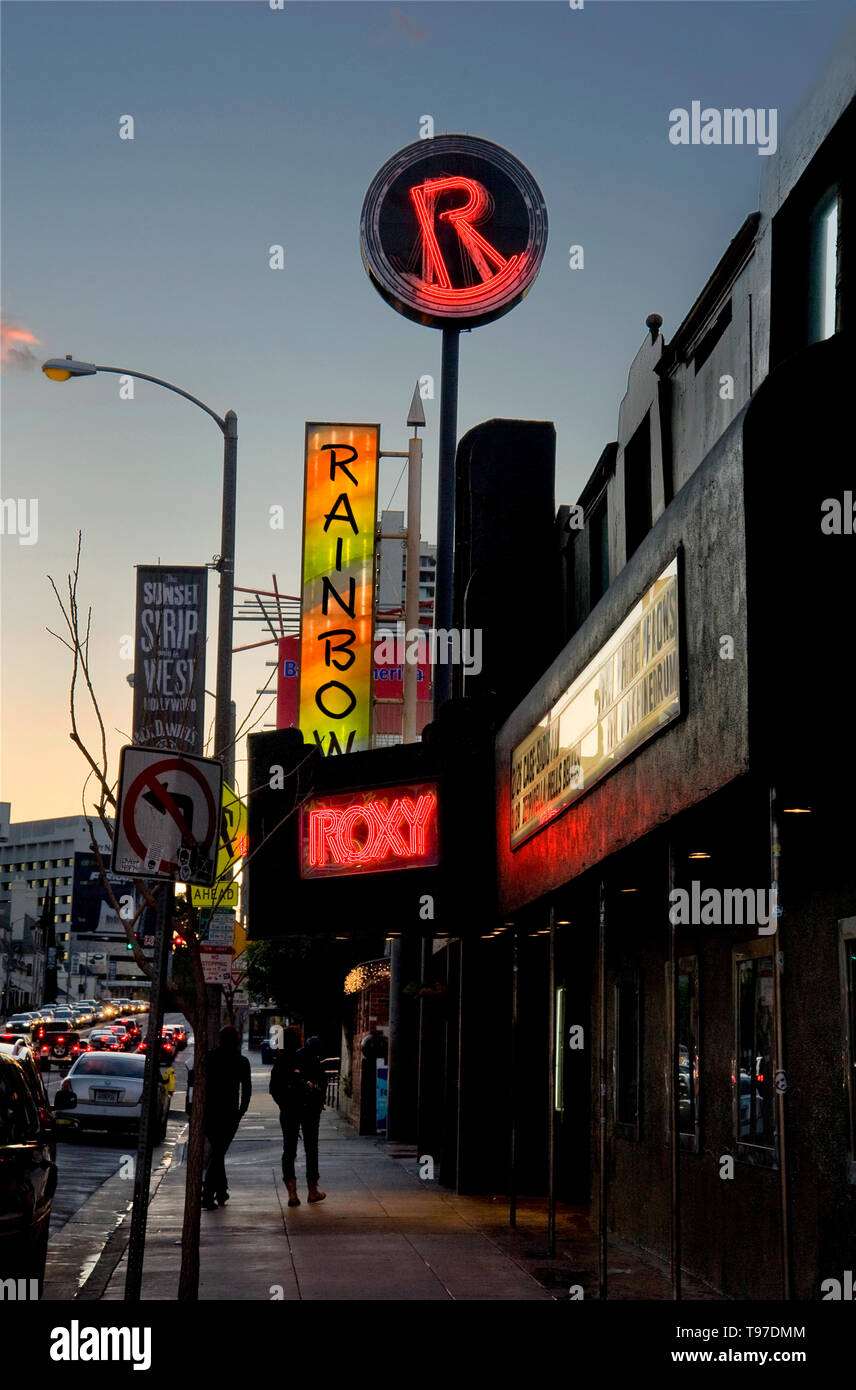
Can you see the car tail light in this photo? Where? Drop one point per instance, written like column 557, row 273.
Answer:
column 44, row 1049
column 59, row 1040
column 75, row 1047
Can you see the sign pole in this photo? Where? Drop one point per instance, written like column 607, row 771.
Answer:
column 148, row 1108
column 444, row 591
column 416, row 416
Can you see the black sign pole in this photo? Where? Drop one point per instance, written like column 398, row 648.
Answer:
column 148, row 1109
column 444, row 596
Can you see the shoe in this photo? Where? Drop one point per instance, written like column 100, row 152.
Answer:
column 209, row 1206
column 224, row 1199
column 315, row 1193
column 293, row 1199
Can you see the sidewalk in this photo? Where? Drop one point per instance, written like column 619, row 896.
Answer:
column 382, row 1233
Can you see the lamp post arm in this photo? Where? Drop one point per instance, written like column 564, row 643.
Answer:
column 123, row 371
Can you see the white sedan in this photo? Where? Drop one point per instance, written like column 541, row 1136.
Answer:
column 104, row 1090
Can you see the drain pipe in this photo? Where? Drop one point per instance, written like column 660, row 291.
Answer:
column 674, row 1098
column 780, row 1077
column 601, row 993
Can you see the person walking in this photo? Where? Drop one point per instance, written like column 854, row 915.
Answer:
column 292, row 1085
column 228, row 1087
column 315, row 1083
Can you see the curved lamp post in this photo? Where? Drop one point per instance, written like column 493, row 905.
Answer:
column 62, row 369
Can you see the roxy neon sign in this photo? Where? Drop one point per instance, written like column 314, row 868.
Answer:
column 393, row 828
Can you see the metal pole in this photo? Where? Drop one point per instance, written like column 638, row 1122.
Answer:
column 779, row 966
column 551, row 1089
column 512, row 1182
column 444, row 591
column 674, row 1098
column 601, row 993
column 148, row 1108
column 223, row 744
column 411, row 593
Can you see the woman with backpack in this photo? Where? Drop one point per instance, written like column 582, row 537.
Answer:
column 294, row 1085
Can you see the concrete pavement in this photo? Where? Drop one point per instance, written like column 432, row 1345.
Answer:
column 383, row 1234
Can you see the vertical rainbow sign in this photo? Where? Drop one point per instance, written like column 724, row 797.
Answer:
column 339, row 511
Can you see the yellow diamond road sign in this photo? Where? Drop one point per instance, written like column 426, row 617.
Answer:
column 233, row 833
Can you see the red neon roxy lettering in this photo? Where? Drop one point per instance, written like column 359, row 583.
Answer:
column 495, row 270
column 394, row 831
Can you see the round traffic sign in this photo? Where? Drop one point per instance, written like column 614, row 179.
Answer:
column 453, row 231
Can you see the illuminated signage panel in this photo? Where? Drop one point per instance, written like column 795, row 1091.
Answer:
column 453, row 231
column 625, row 695
column 340, row 505
column 368, row 832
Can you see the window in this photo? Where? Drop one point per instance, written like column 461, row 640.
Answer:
column 688, row 1053
column 847, row 945
column 19, row 1118
column 711, row 338
column 754, row 1064
column 637, row 486
column 824, row 264
column 598, row 552
column 627, row 1054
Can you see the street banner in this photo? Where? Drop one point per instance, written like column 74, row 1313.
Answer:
column 337, row 604
column 287, row 682
column 168, row 816
column 169, row 657
column 91, row 911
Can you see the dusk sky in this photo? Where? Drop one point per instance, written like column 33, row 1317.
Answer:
column 255, row 127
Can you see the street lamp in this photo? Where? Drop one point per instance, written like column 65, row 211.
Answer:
column 62, row 369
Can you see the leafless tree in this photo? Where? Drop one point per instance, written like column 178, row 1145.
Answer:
column 183, row 918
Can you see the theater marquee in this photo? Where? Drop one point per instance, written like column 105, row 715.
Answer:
column 623, row 697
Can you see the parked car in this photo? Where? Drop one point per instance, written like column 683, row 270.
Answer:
column 104, row 1091
column 17, row 1045
column 28, row 1172
column 270, row 1045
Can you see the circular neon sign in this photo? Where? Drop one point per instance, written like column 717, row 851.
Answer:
column 453, row 231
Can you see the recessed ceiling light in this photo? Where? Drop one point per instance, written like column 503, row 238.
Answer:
column 797, row 810
column 699, row 854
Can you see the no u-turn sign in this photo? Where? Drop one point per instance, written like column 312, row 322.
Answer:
column 168, row 820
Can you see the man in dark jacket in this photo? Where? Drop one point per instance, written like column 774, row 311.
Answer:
column 228, row 1087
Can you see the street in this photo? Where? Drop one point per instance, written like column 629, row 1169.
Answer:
column 86, row 1160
